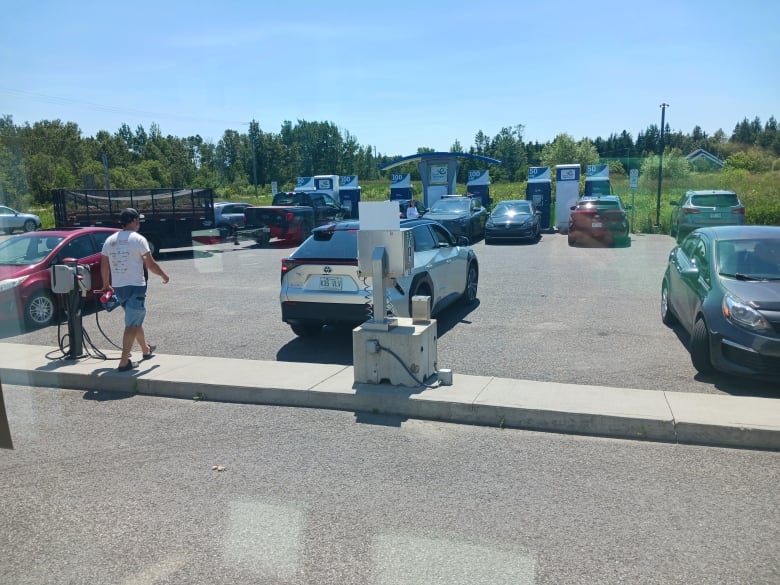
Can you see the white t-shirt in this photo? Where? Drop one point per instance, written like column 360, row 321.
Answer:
column 125, row 251
column 412, row 213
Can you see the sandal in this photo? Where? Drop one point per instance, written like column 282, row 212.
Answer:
column 127, row 367
column 149, row 355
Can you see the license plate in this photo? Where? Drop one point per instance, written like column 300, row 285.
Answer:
column 330, row 283
column 596, row 224
column 715, row 215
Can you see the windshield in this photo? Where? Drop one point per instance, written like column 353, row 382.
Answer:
column 715, row 200
column 450, row 206
column 757, row 259
column 514, row 208
column 24, row 250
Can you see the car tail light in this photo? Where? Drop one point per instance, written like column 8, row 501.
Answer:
column 289, row 216
column 288, row 264
column 690, row 210
column 739, row 211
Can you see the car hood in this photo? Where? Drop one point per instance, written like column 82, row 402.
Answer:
column 760, row 294
column 7, row 272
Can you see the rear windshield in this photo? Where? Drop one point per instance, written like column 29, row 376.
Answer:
column 715, row 200
column 330, row 244
column 603, row 204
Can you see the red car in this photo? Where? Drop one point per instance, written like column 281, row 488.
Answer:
column 25, row 270
column 600, row 220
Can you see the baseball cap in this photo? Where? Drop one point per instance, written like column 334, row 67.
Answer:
column 128, row 215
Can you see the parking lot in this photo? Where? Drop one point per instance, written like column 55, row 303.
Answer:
column 546, row 312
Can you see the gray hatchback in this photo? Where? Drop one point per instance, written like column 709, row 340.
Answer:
column 705, row 208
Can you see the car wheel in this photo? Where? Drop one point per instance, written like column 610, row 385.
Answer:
column 154, row 248
column 667, row 316
column 306, row 328
column 472, row 281
column 572, row 242
column 673, row 230
column 40, row 310
column 488, row 241
column 29, row 225
column 700, row 348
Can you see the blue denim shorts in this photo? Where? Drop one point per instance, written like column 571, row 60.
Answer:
column 132, row 299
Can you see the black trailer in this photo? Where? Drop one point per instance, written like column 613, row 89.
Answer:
column 170, row 218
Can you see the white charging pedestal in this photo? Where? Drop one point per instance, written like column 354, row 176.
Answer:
column 393, row 350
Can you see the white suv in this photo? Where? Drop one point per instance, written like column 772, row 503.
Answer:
column 320, row 282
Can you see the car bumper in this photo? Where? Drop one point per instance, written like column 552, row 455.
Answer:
column 740, row 352
column 333, row 313
column 510, row 232
column 607, row 235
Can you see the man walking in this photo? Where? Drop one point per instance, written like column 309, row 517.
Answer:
column 125, row 256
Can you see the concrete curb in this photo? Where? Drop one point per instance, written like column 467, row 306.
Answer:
column 702, row 419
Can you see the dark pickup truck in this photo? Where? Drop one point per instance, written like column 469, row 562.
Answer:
column 291, row 216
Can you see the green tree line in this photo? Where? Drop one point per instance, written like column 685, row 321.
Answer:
column 36, row 158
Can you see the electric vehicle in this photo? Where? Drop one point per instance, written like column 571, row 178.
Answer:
column 320, row 281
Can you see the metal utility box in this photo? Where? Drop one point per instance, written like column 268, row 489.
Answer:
column 411, row 358
column 399, row 251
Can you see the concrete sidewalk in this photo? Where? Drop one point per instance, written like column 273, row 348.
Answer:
column 703, row 419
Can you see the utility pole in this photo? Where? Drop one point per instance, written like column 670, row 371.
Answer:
column 254, row 163
column 105, row 171
column 660, row 168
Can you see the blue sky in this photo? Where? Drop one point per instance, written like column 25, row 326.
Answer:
column 396, row 76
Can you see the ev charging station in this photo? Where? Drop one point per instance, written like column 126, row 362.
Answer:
column 538, row 190
column 567, row 191
column 395, row 350
column 327, row 184
column 401, row 186
column 438, row 171
column 74, row 281
column 597, row 180
column 305, row 184
column 349, row 193
column 478, row 185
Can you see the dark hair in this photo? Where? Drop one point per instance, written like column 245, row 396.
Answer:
column 127, row 216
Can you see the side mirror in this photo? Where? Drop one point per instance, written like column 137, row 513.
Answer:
column 690, row 273
column 463, row 241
